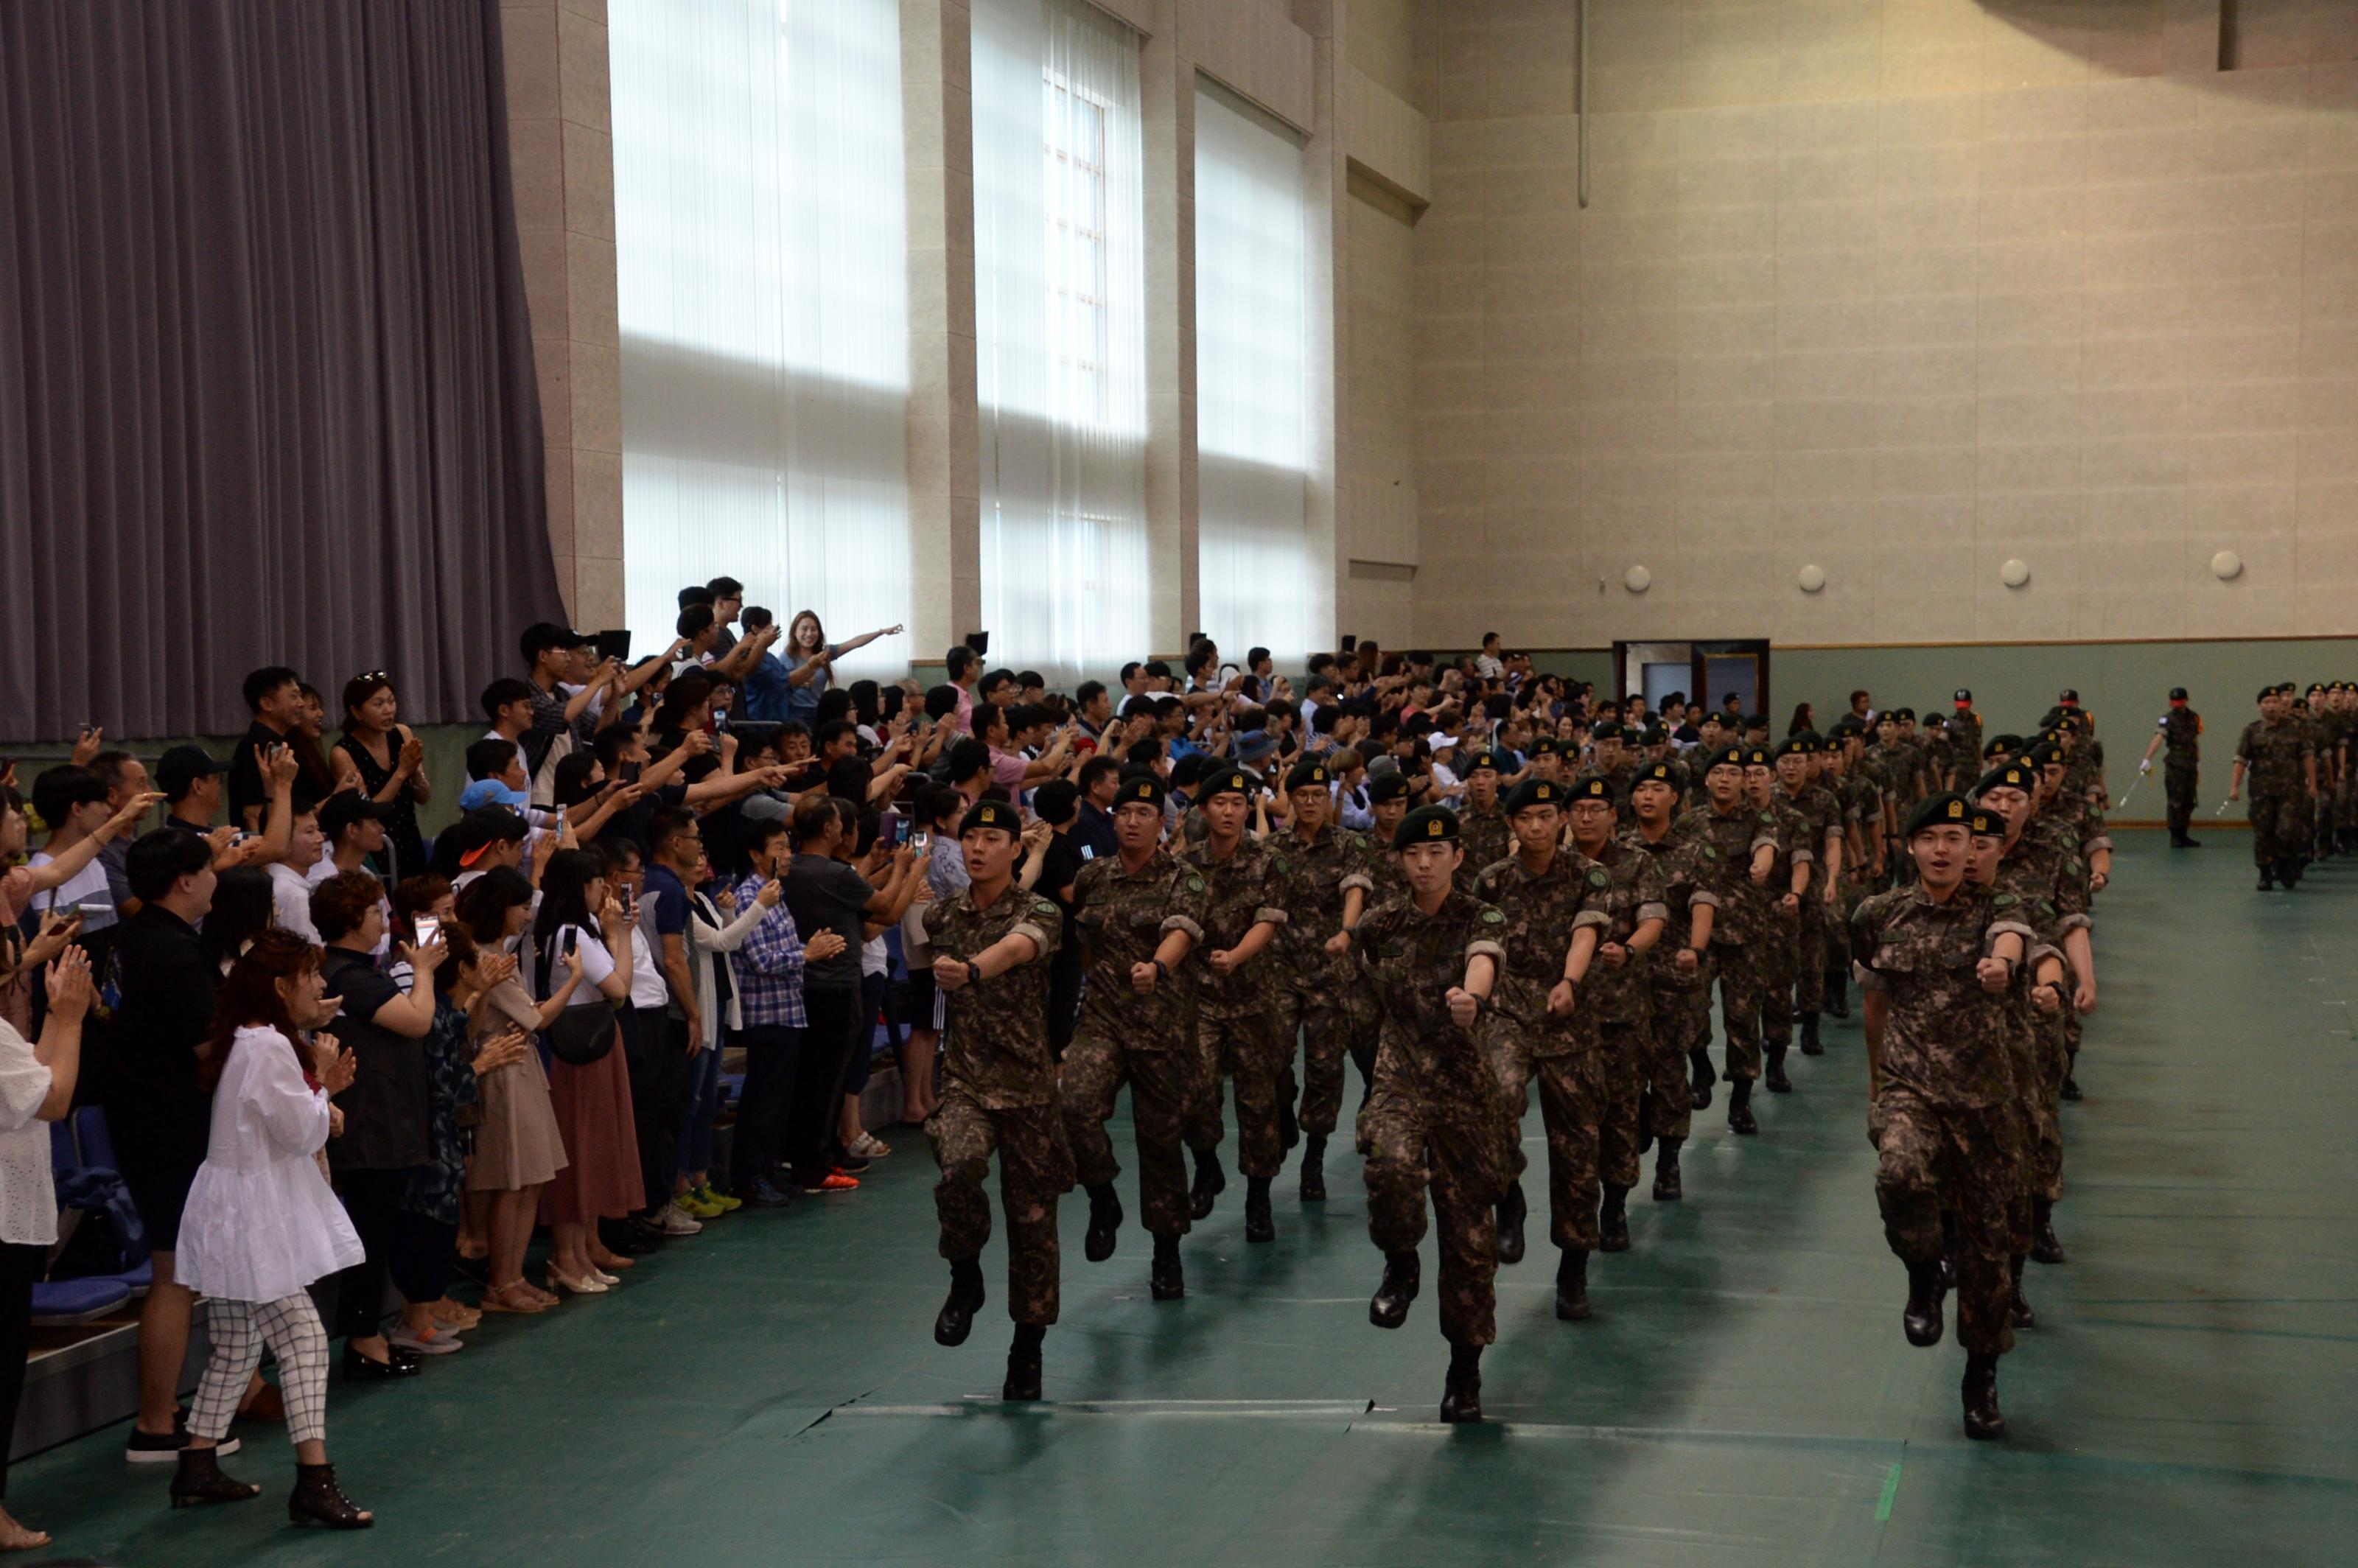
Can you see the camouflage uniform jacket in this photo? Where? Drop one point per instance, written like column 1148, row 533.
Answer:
column 2181, row 736
column 1122, row 917
column 1797, row 840
column 996, row 1042
column 1538, row 913
column 1487, row 837
column 1724, row 847
column 1898, row 770
column 1678, row 860
column 1243, row 891
column 1820, row 808
column 1965, row 741
column 1944, row 1038
column 1321, row 874
column 2052, row 885
column 1411, row 960
column 1624, row 884
column 2273, row 753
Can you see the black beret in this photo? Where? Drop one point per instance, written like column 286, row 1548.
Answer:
column 2003, row 746
column 1655, row 773
column 1605, row 730
column 2015, row 774
column 2067, row 697
column 1593, row 786
column 1725, row 757
column 996, row 813
column 1755, row 722
column 1984, row 823
column 1534, row 792
column 2266, row 692
column 1485, row 757
column 2043, row 753
column 1794, row 746
column 1758, row 757
column 1382, row 787
column 1307, row 775
column 1903, row 715
column 1845, row 727
column 1946, row 808
column 1227, row 781
column 1545, row 746
column 1655, row 735
column 1426, row 824
column 1140, row 787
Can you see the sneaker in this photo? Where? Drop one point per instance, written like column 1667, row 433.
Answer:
column 833, row 1181
column 674, row 1221
column 718, row 1200
column 694, row 1206
column 765, row 1195
column 442, row 1344
column 850, row 1165
column 148, row 1448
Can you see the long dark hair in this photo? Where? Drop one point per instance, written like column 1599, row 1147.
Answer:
column 1803, row 720
column 483, row 903
column 250, row 997
column 564, row 894
column 240, row 911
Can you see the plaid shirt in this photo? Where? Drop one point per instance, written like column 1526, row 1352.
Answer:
column 768, row 967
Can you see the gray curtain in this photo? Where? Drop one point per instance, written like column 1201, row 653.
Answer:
column 266, row 387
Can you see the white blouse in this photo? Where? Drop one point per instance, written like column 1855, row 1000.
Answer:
column 28, row 1198
column 260, row 1223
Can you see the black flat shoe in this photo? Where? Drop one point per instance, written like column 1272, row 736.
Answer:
column 359, row 1368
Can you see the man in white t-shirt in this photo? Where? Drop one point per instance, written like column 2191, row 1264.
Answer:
column 290, row 875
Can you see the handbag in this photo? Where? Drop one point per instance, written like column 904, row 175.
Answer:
column 581, row 1035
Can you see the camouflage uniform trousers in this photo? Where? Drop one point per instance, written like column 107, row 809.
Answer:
column 2052, row 1060
column 1572, row 1109
column 1736, row 965
column 1779, row 953
column 1682, row 1019
column 1625, row 1050
column 1246, row 1047
column 1162, row 1085
column 1463, row 1155
column 2180, row 786
column 1810, row 952
column 1335, row 1019
column 1964, row 1159
column 2275, row 826
column 1035, row 1168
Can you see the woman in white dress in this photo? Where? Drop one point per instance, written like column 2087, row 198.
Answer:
column 260, row 1223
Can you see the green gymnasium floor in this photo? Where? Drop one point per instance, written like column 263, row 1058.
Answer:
column 770, row 1393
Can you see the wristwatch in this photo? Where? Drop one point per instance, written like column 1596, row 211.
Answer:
column 1161, row 967
column 973, row 973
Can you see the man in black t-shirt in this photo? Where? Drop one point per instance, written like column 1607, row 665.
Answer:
column 275, row 696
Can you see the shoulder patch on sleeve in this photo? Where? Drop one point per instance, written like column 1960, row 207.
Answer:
column 1597, row 878
column 1283, row 868
column 1769, row 818
column 2004, row 901
column 2072, row 865
column 1492, row 917
column 1041, row 907
column 1194, row 884
column 1710, row 852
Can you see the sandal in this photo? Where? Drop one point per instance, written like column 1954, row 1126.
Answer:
column 518, row 1300
column 449, row 1314
column 868, row 1146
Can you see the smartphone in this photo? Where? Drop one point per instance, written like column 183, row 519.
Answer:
column 614, row 645
column 629, row 901
column 429, row 930
column 922, row 841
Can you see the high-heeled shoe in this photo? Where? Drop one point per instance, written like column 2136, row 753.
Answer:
column 584, row 1286
column 602, row 1277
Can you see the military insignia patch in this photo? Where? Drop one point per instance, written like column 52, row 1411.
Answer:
column 1492, row 917
column 1194, row 884
column 1597, row 878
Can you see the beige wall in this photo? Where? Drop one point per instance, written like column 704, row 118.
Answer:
column 1898, row 289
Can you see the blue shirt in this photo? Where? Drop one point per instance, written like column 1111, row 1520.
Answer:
column 802, row 701
column 667, row 896
column 767, row 696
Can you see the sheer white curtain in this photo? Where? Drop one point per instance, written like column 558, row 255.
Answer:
column 762, row 275
column 1060, row 341
column 1251, row 381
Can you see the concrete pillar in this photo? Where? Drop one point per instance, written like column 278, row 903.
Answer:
column 1167, row 81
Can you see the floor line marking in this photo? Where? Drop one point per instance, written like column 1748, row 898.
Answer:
column 1890, row 1490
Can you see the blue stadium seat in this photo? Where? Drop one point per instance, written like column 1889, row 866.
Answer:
column 61, row 1304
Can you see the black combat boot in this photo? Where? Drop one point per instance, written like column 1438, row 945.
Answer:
column 2268, row 880
column 1461, row 1396
column 1389, row 1307
column 1572, row 1286
column 200, row 1480
column 1838, row 994
column 1313, row 1169
column 1739, row 1108
column 2044, row 1246
column 1258, row 1226
column 1210, row 1183
column 1811, row 1045
column 1104, row 1220
column 2188, row 841
column 1982, row 1417
column 1922, row 1319
column 1948, row 1250
column 316, row 1500
column 1166, row 1279
column 1667, row 1188
column 1512, row 1210
column 2018, row 1307
column 2071, row 1091
column 1022, row 1384
column 1779, row 1084
column 1288, row 1126
column 956, row 1318
column 1700, row 1059
column 1613, row 1220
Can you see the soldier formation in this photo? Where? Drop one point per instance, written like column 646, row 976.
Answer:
column 1567, row 924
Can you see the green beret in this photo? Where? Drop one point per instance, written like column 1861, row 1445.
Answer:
column 1947, row 808
column 996, row 813
column 1382, row 787
column 2008, row 775
column 1224, row 781
column 1533, row 792
column 1140, row 788
column 1485, row 757
column 1426, row 824
column 1725, row 757
column 1655, row 773
column 1593, row 786
column 1307, row 775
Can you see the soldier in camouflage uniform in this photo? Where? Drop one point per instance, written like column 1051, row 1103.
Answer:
column 1482, row 824
column 1611, row 966
column 1679, row 980
column 1894, row 768
column 2075, row 837
column 1436, row 1118
column 1736, row 844
column 1139, row 912
column 1786, row 888
column 2178, row 737
column 1387, row 804
column 1239, row 1000
column 1797, row 787
column 1861, row 807
column 1324, row 901
column 1539, row 892
column 991, row 943
column 2280, row 758
column 1936, row 961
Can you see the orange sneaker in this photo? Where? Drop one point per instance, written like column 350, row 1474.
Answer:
column 833, row 1181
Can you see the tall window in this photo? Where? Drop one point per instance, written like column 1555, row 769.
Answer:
column 1060, row 334
column 763, row 275
column 1251, row 382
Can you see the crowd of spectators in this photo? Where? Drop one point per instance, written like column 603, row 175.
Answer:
column 345, row 1061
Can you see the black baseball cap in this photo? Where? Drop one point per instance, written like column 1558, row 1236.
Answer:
column 343, row 808
column 543, row 635
column 183, row 766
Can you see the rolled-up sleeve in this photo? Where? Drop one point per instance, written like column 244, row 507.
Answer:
column 1182, row 922
column 1483, row 948
column 1269, row 914
column 1652, row 912
column 1703, row 898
